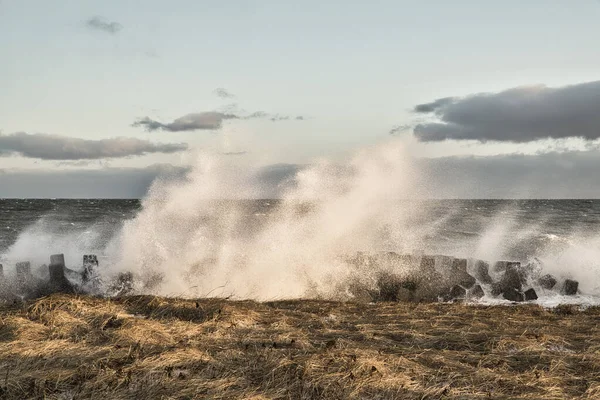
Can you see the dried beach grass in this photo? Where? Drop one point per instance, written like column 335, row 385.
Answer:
column 73, row 347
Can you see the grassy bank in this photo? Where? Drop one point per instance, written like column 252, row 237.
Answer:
column 64, row 347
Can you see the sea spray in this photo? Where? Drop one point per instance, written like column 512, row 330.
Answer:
column 198, row 242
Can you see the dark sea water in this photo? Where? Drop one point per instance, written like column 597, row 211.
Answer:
column 564, row 234
column 456, row 220
column 61, row 216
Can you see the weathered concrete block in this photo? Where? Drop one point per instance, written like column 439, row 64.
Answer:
column 460, row 274
column 512, row 294
column 513, row 278
column 58, row 281
column 501, row 266
column 389, row 259
column 23, row 270
column 456, row 293
column 570, row 287
column 547, row 281
column 24, row 282
column 57, row 259
column 476, row 292
column 388, row 286
column 90, row 265
column 427, row 265
column 360, row 259
column 481, row 270
column 122, row 285
column 530, row 294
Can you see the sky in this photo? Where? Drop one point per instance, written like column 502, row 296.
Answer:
column 99, row 97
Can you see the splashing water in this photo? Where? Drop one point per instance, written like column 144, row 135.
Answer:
column 194, row 237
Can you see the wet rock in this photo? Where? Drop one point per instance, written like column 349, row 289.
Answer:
column 481, row 272
column 547, row 281
column 570, row 287
column 530, row 294
column 476, row 292
column 512, row 294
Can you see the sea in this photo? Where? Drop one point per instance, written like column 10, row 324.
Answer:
column 564, row 235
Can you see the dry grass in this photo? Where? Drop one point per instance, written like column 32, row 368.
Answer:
column 70, row 347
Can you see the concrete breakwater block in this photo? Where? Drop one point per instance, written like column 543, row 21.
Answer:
column 547, row 281
column 481, row 271
column 90, row 268
column 570, row 287
column 513, row 294
column 123, row 284
column 512, row 280
column 501, row 266
column 431, row 278
column 457, row 292
column 23, row 274
column 458, row 273
column 58, row 281
column 476, row 292
column 530, row 294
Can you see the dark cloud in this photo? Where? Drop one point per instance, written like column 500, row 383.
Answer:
column 431, row 107
column 102, row 24
column 210, row 120
column 520, row 114
column 56, row 147
column 551, row 175
column 207, row 120
column 223, row 93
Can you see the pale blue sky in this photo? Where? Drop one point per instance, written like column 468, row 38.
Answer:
column 353, row 69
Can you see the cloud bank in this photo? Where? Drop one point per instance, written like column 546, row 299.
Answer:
column 552, row 175
column 122, row 183
column 56, row 147
column 101, row 24
column 520, row 114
